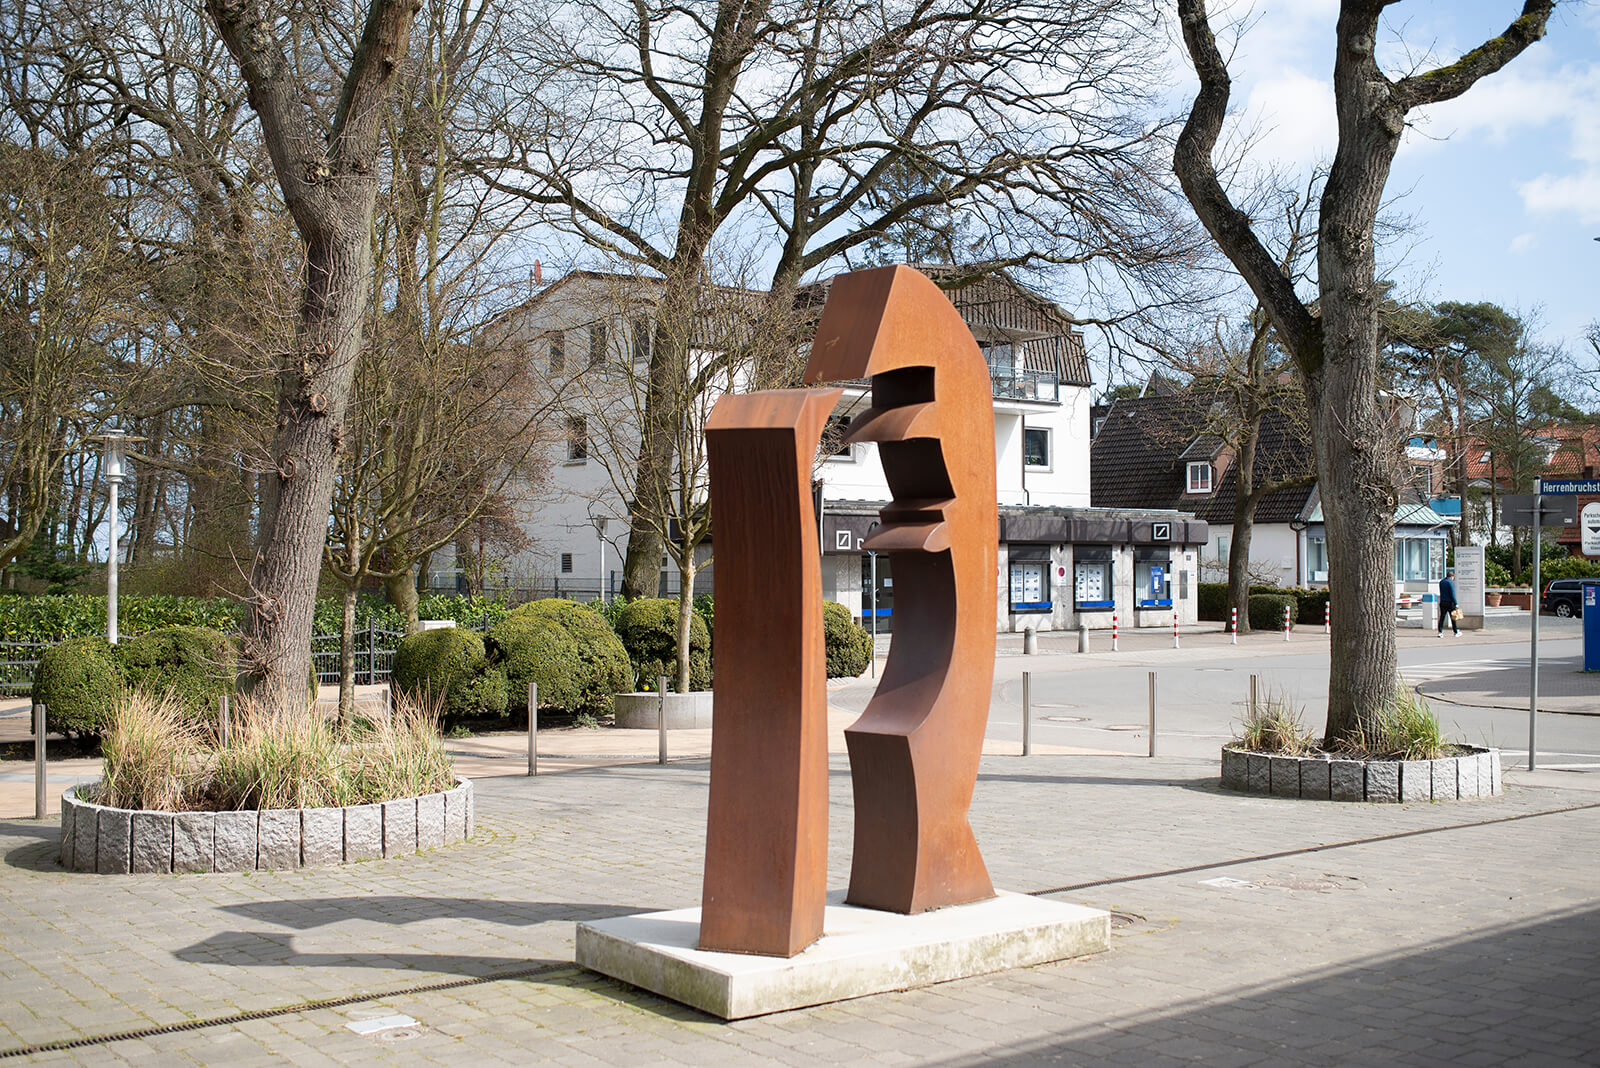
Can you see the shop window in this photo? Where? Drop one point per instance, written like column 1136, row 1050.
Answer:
column 1152, row 583
column 1036, row 446
column 1418, row 559
column 1091, row 585
column 1200, row 477
column 1030, row 586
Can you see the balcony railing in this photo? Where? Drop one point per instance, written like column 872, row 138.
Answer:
column 1024, row 385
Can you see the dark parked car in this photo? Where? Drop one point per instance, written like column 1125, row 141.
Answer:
column 1564, row 597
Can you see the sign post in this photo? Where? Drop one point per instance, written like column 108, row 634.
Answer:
column 1554, row 503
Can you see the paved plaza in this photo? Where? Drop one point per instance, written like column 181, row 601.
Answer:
column 1248, row 930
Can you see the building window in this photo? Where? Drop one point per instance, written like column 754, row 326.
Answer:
column 833, row 439
column 1317, row 557
column 1152, row 583
column 577, row 439
column 641, row 339
column 597, row 342
column 1200, row 477
column 1223, row 544
column 1418, row 559
column 1036, row 446
column 1091, row 585
column 1422, row 477
column 1030, row 586
column 558, row 353
column 566, row 563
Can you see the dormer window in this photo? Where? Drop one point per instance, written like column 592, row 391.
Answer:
column 1200, row 477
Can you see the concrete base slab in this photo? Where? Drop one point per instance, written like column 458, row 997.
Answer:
column 863, row 951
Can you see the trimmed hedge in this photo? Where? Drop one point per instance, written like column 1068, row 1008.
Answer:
column 649, row 631
column 565, row 647
column 195, row 664
column 1211, row 599
column 1566, row 567
column 78, row 681
column 1266, row 610
column 450, row 665
column 1313, row 607
column 77, row 615
column 849, row 644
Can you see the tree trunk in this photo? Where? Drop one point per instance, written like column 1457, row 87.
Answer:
column 347, row 657
column 401, row 591
column 685, row 620
column 1244, row 517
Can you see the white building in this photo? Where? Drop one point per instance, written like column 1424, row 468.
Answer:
column 1062, row 563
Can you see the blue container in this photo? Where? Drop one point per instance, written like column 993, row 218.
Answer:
column 1591, row 625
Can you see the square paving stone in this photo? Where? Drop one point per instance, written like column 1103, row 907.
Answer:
column 151, row 853
column 1416, row 780
column 278, row 842
column 1346, row 780
column 86, row 835
column 1258, row 774
column 1285, row 777
column 236, row 841
column 116, row 840
column 1314, row 779
column 400, row 827
column 194, row 841
column 1444, row 779
column 1234, row 769
column 363, row 833
column 1383, row 782
column 430, row 821
column 455, row 814
column 322, row 836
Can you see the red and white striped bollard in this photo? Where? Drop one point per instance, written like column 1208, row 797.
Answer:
column 1175, row 644
column 1327, row 616
column 1285, row 622
column 1233, row 623
column 1113, row 632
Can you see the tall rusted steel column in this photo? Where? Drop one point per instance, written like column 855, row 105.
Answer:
column 914, row 752
column 767, row 826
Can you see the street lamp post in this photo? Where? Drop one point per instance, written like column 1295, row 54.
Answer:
column 114, row 442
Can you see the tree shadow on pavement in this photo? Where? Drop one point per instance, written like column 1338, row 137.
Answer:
column 1519, row 993
column 306, row 913
column 42, row 842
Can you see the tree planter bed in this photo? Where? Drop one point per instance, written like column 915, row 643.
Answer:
column 685, row 711
column 117, row 841
column 1328, row 778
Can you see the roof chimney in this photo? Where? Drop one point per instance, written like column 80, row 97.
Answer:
column 538, row 273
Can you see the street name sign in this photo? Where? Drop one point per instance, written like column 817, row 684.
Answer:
column 1555, row 510
column 1562, row 486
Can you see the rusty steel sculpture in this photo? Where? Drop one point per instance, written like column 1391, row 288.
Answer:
column 914, row 752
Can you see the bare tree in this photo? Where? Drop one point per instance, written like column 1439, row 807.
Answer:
column 1335, row 342
column 326, row 162
column 659, row 127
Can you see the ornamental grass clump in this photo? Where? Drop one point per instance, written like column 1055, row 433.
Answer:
column 401, row 755
column 1407, row 730
column 1275, row 726
column 152, row 753
column 281, row 761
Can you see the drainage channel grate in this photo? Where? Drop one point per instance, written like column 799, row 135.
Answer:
column 284, row 1010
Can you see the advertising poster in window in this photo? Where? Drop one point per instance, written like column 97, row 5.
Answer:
column 1090, row 583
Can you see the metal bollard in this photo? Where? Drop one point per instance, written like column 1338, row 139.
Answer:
column 533, row 728
column 1152, row 713
column 661, row 717
column 1083, row 637
column 1030, row 641
column 40, row 780
column 1254, row 683
column 1027, row 713
column 224, row 726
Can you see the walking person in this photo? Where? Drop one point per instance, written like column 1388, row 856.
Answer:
column 1447, row 603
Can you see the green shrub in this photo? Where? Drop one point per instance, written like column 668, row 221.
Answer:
column 1495, row 575
column 609, row 610
column 1212, row 600
column 705, row 608
column 1567, row 567
column 195, row 664
column 1313, row 607
column 565, row 647
column 79, row 681
column 449, row 665
column 849, row 644
column 649, row 631
column 1266, row 610
column 475, row 613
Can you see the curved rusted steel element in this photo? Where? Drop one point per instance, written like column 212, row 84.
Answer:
column 766, row 869
column 914, row 752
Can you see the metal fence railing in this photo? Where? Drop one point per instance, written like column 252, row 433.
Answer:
column 374, row 657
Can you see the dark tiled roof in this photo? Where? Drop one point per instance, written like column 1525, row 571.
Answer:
column 1138, row 460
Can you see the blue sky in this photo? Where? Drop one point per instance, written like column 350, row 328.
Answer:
column 1503, row 183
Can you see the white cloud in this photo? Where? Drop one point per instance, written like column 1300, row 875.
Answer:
column 1295, row 115
column 1521, row 243
column 1577, row 194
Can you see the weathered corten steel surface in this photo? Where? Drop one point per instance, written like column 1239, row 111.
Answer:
column 767, row 827
column 914, row 752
